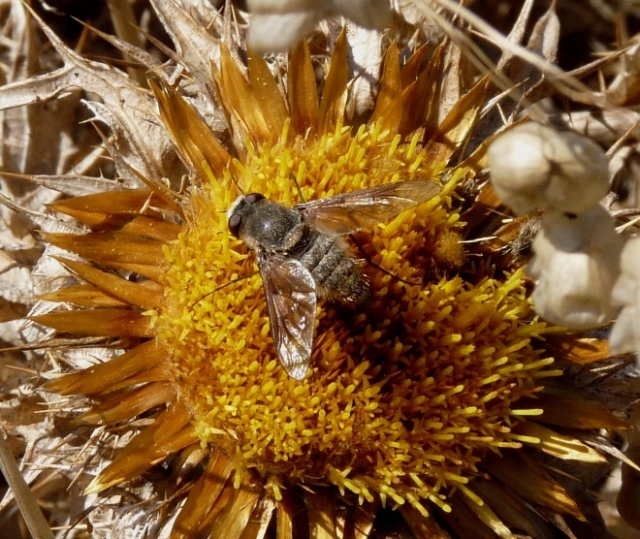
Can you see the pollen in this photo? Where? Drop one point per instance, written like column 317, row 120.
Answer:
column 405, row 394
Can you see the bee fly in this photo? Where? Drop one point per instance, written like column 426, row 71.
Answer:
column 302, row 256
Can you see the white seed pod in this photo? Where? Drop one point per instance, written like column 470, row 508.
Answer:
column 536, row 167
column 630, row 259
column 373, row 14
column 625, row 334
column 576, row 262
column 278, row 25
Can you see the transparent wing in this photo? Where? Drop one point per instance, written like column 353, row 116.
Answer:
column 349, row 212
column 291, row 299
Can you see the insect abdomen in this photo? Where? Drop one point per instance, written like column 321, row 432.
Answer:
column 334, row 271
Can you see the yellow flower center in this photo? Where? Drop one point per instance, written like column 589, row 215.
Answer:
column 406, row 393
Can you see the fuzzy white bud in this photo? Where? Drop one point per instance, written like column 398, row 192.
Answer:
column 576, row 262
column 278, row 25
column 536, row 167
column 625, row 334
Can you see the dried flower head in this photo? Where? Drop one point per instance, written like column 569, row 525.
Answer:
column 457, row 353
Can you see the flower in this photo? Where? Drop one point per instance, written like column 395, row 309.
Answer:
column 359, row 421
column 436, row 399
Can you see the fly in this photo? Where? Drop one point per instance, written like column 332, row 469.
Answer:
column 302, row 255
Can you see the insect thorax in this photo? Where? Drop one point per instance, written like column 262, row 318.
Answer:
column 267, row 225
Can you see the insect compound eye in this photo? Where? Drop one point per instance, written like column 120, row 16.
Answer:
column 252, row 198
column 234, row 224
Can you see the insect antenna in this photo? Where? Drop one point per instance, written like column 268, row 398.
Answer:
column 295, row 182
column 368, row 259
column 233, row 179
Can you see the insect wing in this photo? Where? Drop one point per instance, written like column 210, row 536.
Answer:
column 291, row 300
column 349, row 212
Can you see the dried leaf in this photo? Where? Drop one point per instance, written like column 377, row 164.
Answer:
column 450, row 83
column 628, row 501
column 421, row 110
column 268, row 95
column 149, row 227
column 245, row 111
column 543, row 40
column 578, row 349
column 42, row 220
column 82, row 295
column 423, row 528
column 487, row 516
column 413, row 65
column 126, row 108
column 516, row 36
column 456, row 127
column 362, row 518
column 195, row 48
column 109, row 208
column 70, row 184
column 625, row 89
column 285, row 512
column 259, row 520
column 232, row 522
column 365, row 61
column 389, row 105
column 207, row 497
column 323, row 524
column 26, row 500
column 512, row 509
column 465, row 523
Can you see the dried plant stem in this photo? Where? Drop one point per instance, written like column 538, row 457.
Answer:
column 124, row 23
column 33, row 517
column 566, row 84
